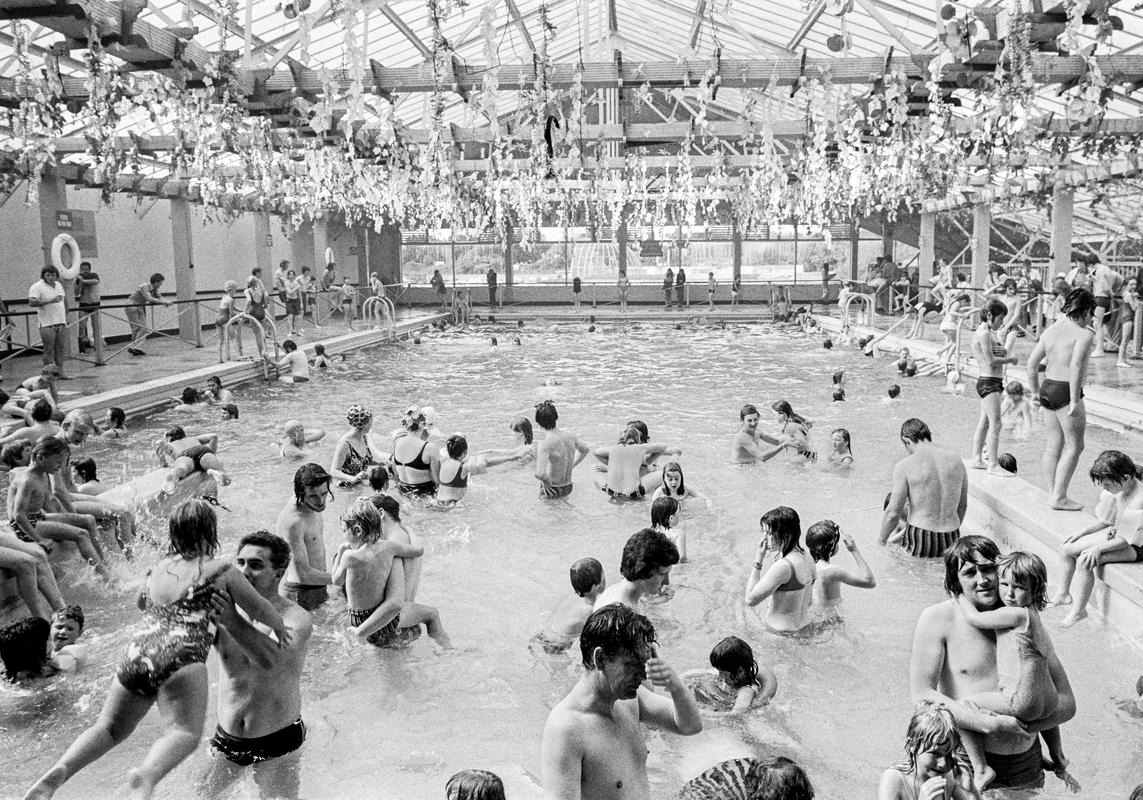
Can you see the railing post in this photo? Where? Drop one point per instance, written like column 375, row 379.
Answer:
column 97, row 335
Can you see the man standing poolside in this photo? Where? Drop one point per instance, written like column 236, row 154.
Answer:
column 592, row 745
column 557, row 454
column 952, row 659
column 300, row 524
column 259, row 694
column 1063, row 352
column 745, row 448
column 47, row 296
column 145, row 294
column 933, row 483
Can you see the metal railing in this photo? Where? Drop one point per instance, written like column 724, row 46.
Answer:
column 243, row 318
column 378, row 310
column 866, row 310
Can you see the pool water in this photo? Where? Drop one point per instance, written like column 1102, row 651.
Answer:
column 392, row 724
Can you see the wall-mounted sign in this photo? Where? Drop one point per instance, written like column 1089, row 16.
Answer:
column 650, row 248
column 81, row 226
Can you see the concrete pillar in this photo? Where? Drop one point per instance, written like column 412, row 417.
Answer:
column 621, row 242
column 387, row 261
column 302, row 249
column 321, row 240
column 854, row 249
column 53, row 198
column 506, row 276
column 186, row 287
column 981, row 241
column 887, row 240
column 735, row 250
column 1062, row 202
column 928, row 246
column 263, row 241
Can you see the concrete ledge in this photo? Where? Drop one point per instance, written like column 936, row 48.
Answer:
column 153, row 394
column 1016, row 515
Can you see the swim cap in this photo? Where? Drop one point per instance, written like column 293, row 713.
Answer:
column 358, row 416
column 230, row 286
column 291, row 424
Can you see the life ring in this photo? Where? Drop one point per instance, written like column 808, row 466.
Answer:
column 839, row 8
column 67, row 273
column 328, row 256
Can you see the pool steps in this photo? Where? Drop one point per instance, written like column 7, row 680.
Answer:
column 1017, row 516
column 1119, row 410
column 141, row 493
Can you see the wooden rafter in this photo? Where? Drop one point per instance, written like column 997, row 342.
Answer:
column 514, row 14
column 811, row 19
column 405, row 30
column 696, row 23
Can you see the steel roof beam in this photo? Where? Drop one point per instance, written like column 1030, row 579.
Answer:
column 812, row 17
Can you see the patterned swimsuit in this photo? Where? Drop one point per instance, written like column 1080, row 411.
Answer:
column 172, row 636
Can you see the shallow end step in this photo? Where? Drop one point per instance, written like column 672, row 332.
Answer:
column 1017, row 516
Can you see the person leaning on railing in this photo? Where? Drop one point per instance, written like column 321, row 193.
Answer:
column 145, row 294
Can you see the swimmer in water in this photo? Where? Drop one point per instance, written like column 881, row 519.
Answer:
column 842, row 454
column 796, row 428
column 525, row 449
column 296, row 437
column 838, row 395
column 745, row 448
column 116, row 425
column 1016, row 411
column 739, row 683
column 822, row 541
column 451, row 472
column 624, row 461
column 215, row 393
column 930, row 770
column 321, row 360
column 953, row 383
column 893, row 393
column 566, row 621
column 673, row 485
column 664, row 519
column 187, row 454
column 648, row 556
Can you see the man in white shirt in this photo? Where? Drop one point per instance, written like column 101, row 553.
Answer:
column 47, row 297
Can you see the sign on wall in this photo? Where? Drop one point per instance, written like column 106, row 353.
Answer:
column 81, row 226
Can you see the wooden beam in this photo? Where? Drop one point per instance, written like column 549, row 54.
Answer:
column 696, row 22
column 889, row 27
column 514, row 13
column 405, row 30
column 811, row 19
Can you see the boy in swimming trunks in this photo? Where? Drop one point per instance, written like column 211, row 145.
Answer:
column 33, row 513
column 565, row 623
column 374, row 591
column 991, row 356
column 646, row 565
column 295, row 362
column 185, row 455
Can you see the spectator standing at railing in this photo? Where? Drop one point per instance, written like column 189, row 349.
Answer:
column 1106, row 283
column 295, row 296
column 47, row 296
column 668, row 284
column 624, row 285
column 438, row 284
column 225, row 312
column 577, row 287
column 890, row 275
column 491, row 278
column 279, row 279
column 308, row 295
column 87, row 296
column 347, row 298
column 145, row 294
column 680, row 287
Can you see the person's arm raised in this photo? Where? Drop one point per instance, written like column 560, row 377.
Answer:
column 897, row 499
column 863, row 577
column 254, row 604
column 1000, row 619
column 681, row 713
column 759, row 588
column 561, row 759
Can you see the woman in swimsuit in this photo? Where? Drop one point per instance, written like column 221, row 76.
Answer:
column 451, row 474
column 1127, row 314
column 955, row 310
column 187, row 454
column 842, row 455
column 796, row 428
column 525, row 449
column 673, row 485
column 166, row 659
column 225, row 312
column 414, row 460
column 789, row 581
column 351, row 454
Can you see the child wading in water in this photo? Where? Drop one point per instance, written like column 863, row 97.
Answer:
column 166, row 659
column 566, row 622
column 931, row 769
column 740, row 684
column 1022, row 648
column 822, row 541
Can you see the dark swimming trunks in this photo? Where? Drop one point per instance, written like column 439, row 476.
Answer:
column 555, row 492
column 1103, row 301
column 379, row 638
column 989, row 385
column 307, row 596
column 638, row 494
column 34, row 517
column 247, row 752
column 1019, row 769
column 426, row 489
column 195, row 454
column 927, row 544
column 1056, row 394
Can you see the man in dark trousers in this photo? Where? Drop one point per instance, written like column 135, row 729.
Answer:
column 491, row 287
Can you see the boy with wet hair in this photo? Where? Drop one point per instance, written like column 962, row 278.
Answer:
column 646, row 567
column 567, row 620
column 67, row 626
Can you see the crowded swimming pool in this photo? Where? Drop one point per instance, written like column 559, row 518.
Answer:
column 397, row 723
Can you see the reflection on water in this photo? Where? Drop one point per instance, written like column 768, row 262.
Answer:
column 395, row 724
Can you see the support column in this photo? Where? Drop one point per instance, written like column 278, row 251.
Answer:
column 263, row 241
column 735, row 250
column 506, row 287
column 854, row 248
column 302, row 249
column 621, row 242
column 186, row 288
column 1062, row 202
column 981, row 241
column 53, row 198
column 887, row 240
column 928, row 247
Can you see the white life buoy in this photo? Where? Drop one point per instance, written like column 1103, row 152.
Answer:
column 839, row 7
column 328, row 256
column 67, row 273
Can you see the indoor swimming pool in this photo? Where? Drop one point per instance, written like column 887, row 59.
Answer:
column 395, row 723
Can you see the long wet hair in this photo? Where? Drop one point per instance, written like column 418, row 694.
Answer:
column 474, row 784
column 931, row 727
column 307, row 476
column 784, row 408
column 735, row 656
column 662, row 510
column 785, row 526
column 674, row 466
column 523, row 426
column 193, row 530
column 821, row 539
column 388, row 505
column 616, row 629
column 845, row 437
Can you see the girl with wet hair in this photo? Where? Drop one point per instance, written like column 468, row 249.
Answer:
column 85, row 478
column 788, row 582
column 738, row 684
column 795, row 427
column 674, row 485
column 451, row 474
column 935, row 762
column 664, row 518
column 474, row 784
column 842, row 454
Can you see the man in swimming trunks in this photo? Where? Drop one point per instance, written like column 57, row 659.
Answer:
column 77, row 425
column 593, row 746
column 991, row 356
column 646, row 565
column 259, row 690
column 300, row 524
column 952, row 659
column 1063, row 352
column 557, row 454
column 745, row 448
column 933, row 484
column 40, row 424
column 624, row 462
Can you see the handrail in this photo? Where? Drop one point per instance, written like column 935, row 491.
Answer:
column 375, row 307
column 957, row 358
column 867, row 310
column 260, row 341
